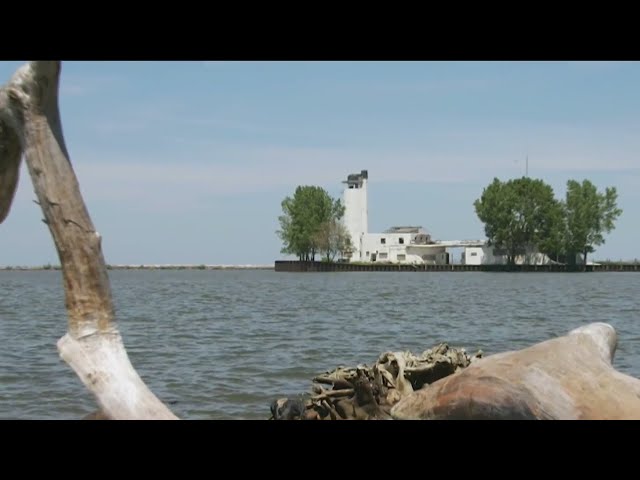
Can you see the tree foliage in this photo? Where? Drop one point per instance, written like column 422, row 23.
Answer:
column 522, row 214
column 304, row 216
column 331, row 239
column 553, row 244
column 589, row 214
column 518, row 214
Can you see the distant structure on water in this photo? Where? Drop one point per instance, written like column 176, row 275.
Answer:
column 410, row 244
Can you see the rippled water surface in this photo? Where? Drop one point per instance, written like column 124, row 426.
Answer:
column 224, row 344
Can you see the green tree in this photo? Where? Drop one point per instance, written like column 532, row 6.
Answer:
column 302, row 219
column 331, row 239
column 589, row 214
column 555, row 241
column 517, row 214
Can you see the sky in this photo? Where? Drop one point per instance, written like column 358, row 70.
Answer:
column 188, row 162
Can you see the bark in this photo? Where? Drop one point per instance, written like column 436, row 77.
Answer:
column 511, row 259
column 10, row 156
column 93, row 347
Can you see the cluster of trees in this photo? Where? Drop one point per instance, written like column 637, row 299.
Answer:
column 523, row 213
column 310, row 225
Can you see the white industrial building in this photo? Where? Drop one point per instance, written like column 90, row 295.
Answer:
column 488, row 255
column 404, row 244
column 408, row 244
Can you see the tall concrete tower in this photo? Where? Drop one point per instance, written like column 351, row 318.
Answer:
column 356, row 214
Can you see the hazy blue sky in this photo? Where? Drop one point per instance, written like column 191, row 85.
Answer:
column 187, row 162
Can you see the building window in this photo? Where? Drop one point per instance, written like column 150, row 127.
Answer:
column 401, row 257
column 383, row 241
column 382, row 256
column 474, row 254
column 401, row 241
column 367, row 254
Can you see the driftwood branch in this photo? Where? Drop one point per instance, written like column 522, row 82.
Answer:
column 336, row 382
column 30, row 124
column 369, row 393
column 347, row 392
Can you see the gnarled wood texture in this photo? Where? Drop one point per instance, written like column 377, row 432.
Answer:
column 569, row 377
column 10, row 156
column 369, row 393
column 30, row 123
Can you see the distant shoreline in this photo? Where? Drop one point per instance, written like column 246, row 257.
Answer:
column 150, row 267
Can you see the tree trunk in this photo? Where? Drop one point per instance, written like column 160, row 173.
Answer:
column 92, row 346
column 584, row 260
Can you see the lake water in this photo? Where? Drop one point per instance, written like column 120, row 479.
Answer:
column 224, row 344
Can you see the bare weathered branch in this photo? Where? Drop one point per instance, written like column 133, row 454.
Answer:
column 333, row 393
column 336, row 382
column 30, row 123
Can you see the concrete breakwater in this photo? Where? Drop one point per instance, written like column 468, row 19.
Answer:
column 298, row 266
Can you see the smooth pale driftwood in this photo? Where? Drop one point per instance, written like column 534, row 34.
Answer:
column 30, row 123
column 569, row 377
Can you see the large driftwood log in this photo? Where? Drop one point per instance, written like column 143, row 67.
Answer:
column 30, row 124
column 569, row 377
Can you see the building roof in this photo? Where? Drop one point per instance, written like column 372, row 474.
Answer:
column 404, row 230
column 357, row 178
column 461, row 243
